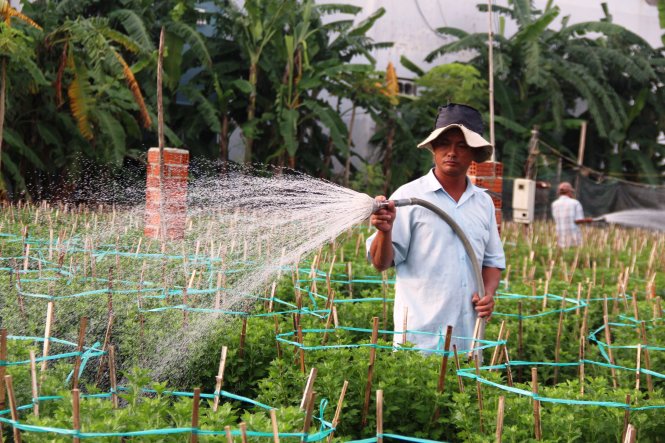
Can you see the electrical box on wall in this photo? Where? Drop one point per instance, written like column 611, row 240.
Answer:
column 524, row 198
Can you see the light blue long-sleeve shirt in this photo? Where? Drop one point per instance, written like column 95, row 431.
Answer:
column 435, row 282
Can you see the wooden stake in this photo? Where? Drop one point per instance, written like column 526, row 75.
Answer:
column 499, row 419
column 3, row 370
column 338, row 409
column 35, row 388
column 631, row 434
column 107, row 339
column 638, row 366
column 309, row 388
column 460, row 383
column 626, row 418
column 536, row 404
column 647, row 358
column 370, row 370
column 243, row 432
column 444, row 365
column 476, row 361
column 301, row 350
column 495, row 354
column 308, row 417
column 275, row 428
column 227, row 432
column 195, row 415
column 243, row 336
column 379, row 416
column 79, row 350
column 608, row 339
column 219, row 379
column 404, row 324
column 113, row 378
column 558, row 337
column 76, row 412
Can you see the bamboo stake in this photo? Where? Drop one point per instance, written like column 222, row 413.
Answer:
column 520, row 334
column 638, row 366
column 536, row 404
column 219, row 379
column 76, row 412
column 227, row 432
column 243, row 432
column 13, row 407
column 444, row 365
column 479, row 393
column 301, row 350
column 113, row 378
column 499, row 419
column 79, row 350
column 195, row 415
column 107, row 339
column 338, row 410
column 495, row 354
column 626, row 418
column 370, row 370
column 35, row 388
column 243, row 336
column 349, row 273
column 460, row 383
column 558, row 337
column 309, row 388
column 275, row 428
column 308, row 417
column 631, row 434
column 279, row 348
column 404, row 324
column 379, row 416
column 3, row 370
column 608, row 339
column 647, row 358
column 509, row 371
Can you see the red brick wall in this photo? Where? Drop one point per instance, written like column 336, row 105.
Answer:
column 171, row 219
column 489, row 175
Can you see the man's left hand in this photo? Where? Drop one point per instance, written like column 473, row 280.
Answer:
column 485, row 306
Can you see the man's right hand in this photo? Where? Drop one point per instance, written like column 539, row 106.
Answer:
column 384, row 218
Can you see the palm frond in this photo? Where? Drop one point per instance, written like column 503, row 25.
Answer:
column 195, row 40
column 78, row 100
column 7, row 12
column 121, row 39
column 335, row 9
column 135, row 27
column 13, row 139
column 136, row 91
column 534, row 30
column 470, row 42
column 366, row 24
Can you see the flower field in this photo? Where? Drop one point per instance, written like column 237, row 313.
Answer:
column 109, row 336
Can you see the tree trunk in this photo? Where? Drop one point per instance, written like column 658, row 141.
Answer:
column 224, row 144
column 251, row 110
column 3, row 89
column 388, row 157
column 349, row 142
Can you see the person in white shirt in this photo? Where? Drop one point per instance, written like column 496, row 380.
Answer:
column 435, row 284
column 568, row 214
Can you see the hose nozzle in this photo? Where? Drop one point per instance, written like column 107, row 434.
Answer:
column 378, row 205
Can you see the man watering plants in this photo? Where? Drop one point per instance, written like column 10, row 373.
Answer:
column 567, row 213
column 435, row 285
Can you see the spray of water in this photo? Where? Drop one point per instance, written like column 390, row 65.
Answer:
column 638, row 218
column 259, row 223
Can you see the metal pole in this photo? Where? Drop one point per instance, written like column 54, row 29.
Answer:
column 490, row 37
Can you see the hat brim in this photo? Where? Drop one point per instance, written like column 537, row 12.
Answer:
column 473, row 139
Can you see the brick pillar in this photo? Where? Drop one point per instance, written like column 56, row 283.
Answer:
column 489, row 175
column 173, row 215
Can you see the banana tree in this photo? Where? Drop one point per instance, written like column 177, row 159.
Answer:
column 16, row 48
column 554, row 78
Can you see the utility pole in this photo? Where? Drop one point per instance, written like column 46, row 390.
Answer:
column 490, row 47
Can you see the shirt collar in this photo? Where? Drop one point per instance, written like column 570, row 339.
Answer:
column 431, row 184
